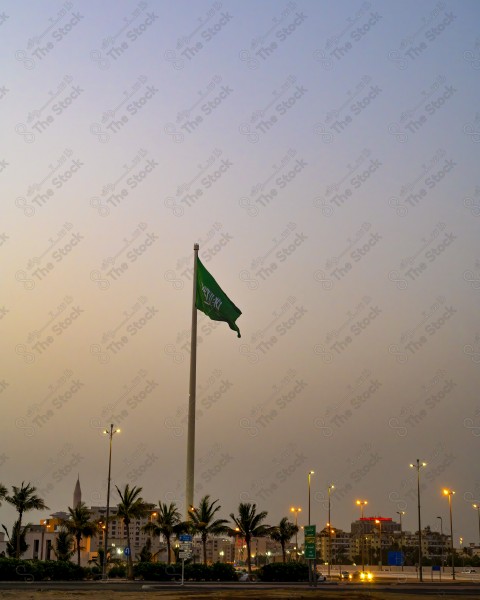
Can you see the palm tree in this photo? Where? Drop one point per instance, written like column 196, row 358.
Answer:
column 249, row 525
column 24, row 499
column 131, row 506
column 167, row 523
column 63, row 545
column 283, row 533
column 204, row 523
column 3, row 492
column 17, row 535
column 79, row 525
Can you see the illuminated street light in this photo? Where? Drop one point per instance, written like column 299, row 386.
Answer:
column 361, row 504
column 330, row 488
column 312, row 580
column 477, row 507
column 310, row 473
column 449, row 493
column 441, row 547
column 296, row 510
column 110, row 432
column 418, row 465
column 379, row 523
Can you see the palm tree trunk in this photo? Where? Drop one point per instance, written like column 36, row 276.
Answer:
column 249, row 561
column 17, row 551
column 283, row 553
column 79, row 537
column 129, row 557
column 168, row 549
column 204, row 544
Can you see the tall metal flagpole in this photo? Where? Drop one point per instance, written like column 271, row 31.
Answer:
column 191, row 396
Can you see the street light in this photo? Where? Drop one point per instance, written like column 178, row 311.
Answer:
column 477, row 507
column 449, row 493
column 401, row 513
column 441, row 537
column 110, row 432
column 310, row 473
column 330, row 488
column 296, row 510
column 379, row 523
column 311, row 576
column 418, row 465
column 361, row 504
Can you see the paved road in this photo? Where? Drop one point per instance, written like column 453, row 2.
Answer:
column 433, row 589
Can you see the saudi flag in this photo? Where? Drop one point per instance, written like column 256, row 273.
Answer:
column 213, row 301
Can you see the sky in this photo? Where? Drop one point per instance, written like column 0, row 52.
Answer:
column 324, row 156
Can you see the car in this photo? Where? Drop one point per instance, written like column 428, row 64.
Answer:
column 468, row 571
column 344, row 575
column 321, row 577
column 364, row 576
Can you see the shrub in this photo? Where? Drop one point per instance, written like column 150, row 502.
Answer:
column 12, row 569
column 119, row 571
column 291, row 571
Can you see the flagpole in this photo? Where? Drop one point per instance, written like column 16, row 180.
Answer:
column 191, row 395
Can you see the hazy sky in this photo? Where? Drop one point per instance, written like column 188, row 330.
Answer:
column 325, row 157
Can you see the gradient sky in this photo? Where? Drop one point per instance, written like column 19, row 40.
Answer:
column 325, row 157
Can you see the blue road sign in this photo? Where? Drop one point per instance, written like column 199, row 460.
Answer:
column 185, row 537
column 396, row 558
column 127, row 551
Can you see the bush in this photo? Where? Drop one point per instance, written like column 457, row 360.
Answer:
column 117, row 571
column 155, row 571
column 12, row 569
column 291, row 571
column 223, row 572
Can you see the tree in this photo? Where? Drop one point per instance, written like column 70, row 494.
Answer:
column 249, row 525
column 167, row 523
column 80, row 525
column 146, row 554
column 15, row 540
column 205, row 524
column 24, row 499
column 3, row 492
column 283, row 533
column 64, row 545
column 131, row 506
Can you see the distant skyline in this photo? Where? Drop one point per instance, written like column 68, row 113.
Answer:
column 325, row 157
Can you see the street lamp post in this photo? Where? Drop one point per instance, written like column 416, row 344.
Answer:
column 379, row 523
column 311, row 577
column 310, row 473
column 361, row 504
column 110, row 432
column 330, row 488
column 450, row 493
column 401, row 513
column 477, row 507
column 418, row 465
column 296, row 510
column 441, row 538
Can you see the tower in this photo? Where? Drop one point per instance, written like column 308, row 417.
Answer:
column 77, row 494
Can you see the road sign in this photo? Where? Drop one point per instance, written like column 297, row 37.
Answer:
column 396, row 558
column 185, row 537
column 127, row 551
column 185, row 555
column 310, row 541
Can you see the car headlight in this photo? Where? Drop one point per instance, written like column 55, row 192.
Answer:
column 362, row 575
column 370, row 576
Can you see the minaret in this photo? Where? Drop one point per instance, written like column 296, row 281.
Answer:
column 77, row 494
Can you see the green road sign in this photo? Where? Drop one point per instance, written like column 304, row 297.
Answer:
column 310, row 541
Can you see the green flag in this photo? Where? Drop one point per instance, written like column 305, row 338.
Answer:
column 213, row 301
